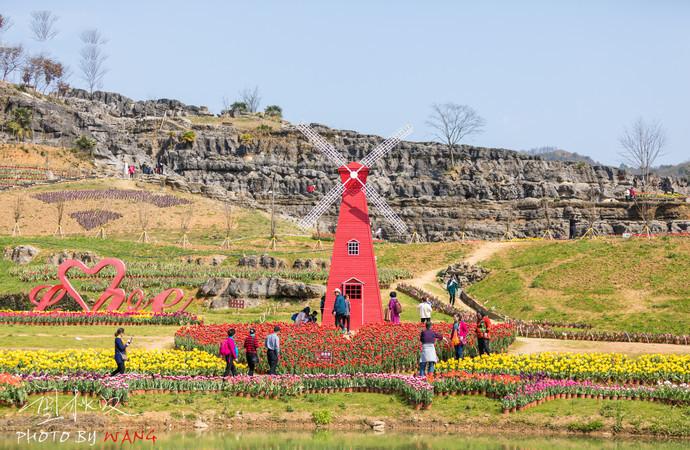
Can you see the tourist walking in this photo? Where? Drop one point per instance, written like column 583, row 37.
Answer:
column 339, row 309
column 120, row 352
column 228, row 351
column 425, row 311
column 346, row 316
column 452, row 287
column 322, row 305
column 131, row 170
column 273, row 350
column 428, row 359
column 251, row 345
column 483, row 333
column 394, row 308
column 458, row 336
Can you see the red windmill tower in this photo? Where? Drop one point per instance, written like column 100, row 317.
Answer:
column 353, row 264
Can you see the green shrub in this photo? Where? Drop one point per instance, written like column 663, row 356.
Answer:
column 19, row 122
column 262, row 129
column 586, row 427
column 85, row 143
column 240, row 107
column 274, row 111
column 246, row 139
column 321, row 417
column 188, row 137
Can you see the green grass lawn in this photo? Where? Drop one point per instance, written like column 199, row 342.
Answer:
column 633, row 285
column 576, row 415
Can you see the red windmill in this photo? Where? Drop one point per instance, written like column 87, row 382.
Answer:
column 353, row 264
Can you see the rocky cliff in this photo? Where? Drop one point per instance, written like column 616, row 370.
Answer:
column 490, row 193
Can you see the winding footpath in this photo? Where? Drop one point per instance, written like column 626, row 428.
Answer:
column 485, row 250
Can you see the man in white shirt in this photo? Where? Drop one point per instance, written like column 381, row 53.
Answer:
column 425, row 311
column 273, row 350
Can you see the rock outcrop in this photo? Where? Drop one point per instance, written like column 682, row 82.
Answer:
column 21, row 254
column 465, row 273
column 310, row 264
column 489, row 194
column 88, row 258
column 263, row 261
column 272, row 287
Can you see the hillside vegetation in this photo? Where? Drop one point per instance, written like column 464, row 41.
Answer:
column 631, row 285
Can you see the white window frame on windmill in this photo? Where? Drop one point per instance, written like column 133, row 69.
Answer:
column 353, row 247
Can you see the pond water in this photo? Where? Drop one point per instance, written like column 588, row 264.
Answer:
column 278, row 440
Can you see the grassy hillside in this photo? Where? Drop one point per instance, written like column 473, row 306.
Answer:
column 632, row 285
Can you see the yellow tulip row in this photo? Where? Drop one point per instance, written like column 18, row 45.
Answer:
column 600, row 366
column 194, row 362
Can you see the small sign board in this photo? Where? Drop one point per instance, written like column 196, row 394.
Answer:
column 626, row 235
column 324, row 356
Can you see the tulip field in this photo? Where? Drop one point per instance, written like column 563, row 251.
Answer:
column 314, row 349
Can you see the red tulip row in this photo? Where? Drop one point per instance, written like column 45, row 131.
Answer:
column 316, row 349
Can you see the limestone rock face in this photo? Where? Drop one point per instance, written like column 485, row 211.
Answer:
column 21, row 254
column 489, row 194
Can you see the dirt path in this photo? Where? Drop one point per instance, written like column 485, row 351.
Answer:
column 534, row 345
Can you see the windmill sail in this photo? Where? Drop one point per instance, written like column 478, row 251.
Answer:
column 331, row 196
column 385, row 209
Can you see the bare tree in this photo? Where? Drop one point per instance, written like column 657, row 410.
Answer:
column 43, row 25
column 453, row 122
column 60, row 209
column 229, row 214
column 643, row 144
column 144, row 216
column 11, row 59
column 42, row 73
column 18, row 210
column 5, row 23
column 185, row 222
column 92, row 58
column 251, row 98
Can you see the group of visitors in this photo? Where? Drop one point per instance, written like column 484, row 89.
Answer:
column 630, row 194
column 130, row 170
column 228, row 351
column 341, row 310
column 305, row 316
column 458, row 339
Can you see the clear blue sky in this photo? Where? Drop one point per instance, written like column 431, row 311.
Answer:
column 569, row 74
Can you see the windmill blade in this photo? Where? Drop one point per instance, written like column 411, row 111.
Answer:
column 384, row 147
column 331, row 196
column 385, row 209
column 322, row 144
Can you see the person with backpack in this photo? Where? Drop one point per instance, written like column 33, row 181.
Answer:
column 458, row 336
column 339, row 309
column 228, row 351
column 394, row 308
column 483, row 331
column 251, row 345
column 452, row 287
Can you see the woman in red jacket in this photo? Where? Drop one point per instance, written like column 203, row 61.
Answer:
column 483, row 333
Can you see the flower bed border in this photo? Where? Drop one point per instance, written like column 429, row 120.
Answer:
column 53, row 318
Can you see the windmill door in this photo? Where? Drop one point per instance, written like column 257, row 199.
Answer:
column 354, row 290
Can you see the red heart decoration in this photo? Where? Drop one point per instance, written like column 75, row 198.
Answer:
column 112, row 290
